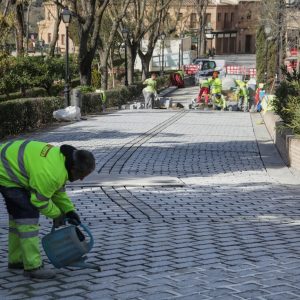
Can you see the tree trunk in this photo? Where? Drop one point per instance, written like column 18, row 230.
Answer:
column 201, row 10
column 145, row 67
column 19, row 29
column 202, row 44
column 112, row 67
column 131, row 57
column 27, row 25
column 55, row 33
column 85, row 69
column 145, row 59
column 104, row 76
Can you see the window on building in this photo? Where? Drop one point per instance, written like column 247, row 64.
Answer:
column 225, row 18
column 49, row 15
column 219, row 17
column 248, row 15
column 180, row 15
column 193, row 23
column 232, row 17
column 49, row 38
column 208, row 18
column 227, row 23
column 62, row 39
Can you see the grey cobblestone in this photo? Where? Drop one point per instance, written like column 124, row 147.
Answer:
column 229, row 232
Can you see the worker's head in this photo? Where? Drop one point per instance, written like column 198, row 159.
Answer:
column 83, row 164
column 79, row 163
column 153, row 76
column 215, row 74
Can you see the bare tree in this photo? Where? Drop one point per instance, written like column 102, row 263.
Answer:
column 7, row 20
column 88, row 15
column 164, row 23
column 57, row 18
column 135, row 20
column 116, row 12
column 19, row 25
column 274, row 15
column 201, row 7
column 29, row 3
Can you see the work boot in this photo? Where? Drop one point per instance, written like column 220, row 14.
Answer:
column 39, row 273
column 16, row 266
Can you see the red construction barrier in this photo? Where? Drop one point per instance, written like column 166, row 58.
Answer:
column 241, row 70
column 191, row 69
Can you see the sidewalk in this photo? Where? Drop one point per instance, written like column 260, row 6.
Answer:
column 187, row 205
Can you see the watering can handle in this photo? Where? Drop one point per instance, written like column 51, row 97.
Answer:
column 86, row 229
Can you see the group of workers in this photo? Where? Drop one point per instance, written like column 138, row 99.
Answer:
column 211, row 93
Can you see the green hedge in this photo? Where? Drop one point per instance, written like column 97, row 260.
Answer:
column 91, row 103
column 19, row 115
column 31, row 93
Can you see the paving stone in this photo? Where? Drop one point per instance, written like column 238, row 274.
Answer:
column 229, row 231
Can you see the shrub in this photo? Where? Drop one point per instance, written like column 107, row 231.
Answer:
column 113, row 98
column 86, row 89
column 287, row 101
column 163, row 81
column 32, row 71
column 22, row 114
column 91, row 103
column 96, row 78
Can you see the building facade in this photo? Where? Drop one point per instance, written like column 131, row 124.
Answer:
column 46, row 29
column 233, row 24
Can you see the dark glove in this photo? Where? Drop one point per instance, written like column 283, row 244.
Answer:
column 59, row 221
column 73, row 218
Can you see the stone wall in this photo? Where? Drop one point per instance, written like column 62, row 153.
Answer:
column 294, row 153
column 286, row 142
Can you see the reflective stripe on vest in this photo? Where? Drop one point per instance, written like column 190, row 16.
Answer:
column 27, row 221
column 43, row 206
column 24, row 235
column 23, row 171
column 7, row 167
column 21, row 159
column 29, row 234
column 41, row 197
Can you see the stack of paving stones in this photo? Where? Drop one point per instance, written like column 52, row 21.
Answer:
column 229, row 232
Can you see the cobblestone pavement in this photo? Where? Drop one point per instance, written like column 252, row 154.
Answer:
column 230, row 231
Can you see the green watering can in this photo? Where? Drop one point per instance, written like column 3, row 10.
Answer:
column 66, row 247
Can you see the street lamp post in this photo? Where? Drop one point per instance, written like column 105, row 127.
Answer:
column 41, row 45
column 163, row 36
column 125, row 34
column 181, row 46
column 66, row 17
column 179, row 55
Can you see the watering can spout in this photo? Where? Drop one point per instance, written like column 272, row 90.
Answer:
column 84, row 265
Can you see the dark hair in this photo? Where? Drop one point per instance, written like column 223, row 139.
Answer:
column 83, row 162
column 80, row 161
